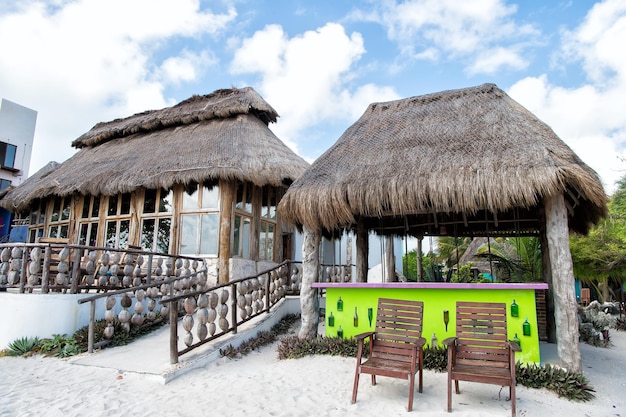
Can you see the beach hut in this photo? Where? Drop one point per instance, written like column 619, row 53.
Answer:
column 468, row 162
column 200, row 178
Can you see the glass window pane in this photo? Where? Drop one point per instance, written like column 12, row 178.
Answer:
column 65, row 214
column 245, row 238
column 111, row 232
column 163, row 235
column 34, row 216
column 9, row 158
column 190, row 197
column 32, row 236
column 125, row 207
column 269, row 243
column 236, row 250
column 149, row 201
column 42, row 214
column 147, row 234
column 122, row 242
column 262, row 241
column 56, row 210
column 188, row 239
column 209, row 238
column 240, row 196
column 63, row 233
column 210, row 198
column 93, row 235
column 112, row 211
column 53, row 231
column 166, row 201
column 85, row 212
column 82, row 234
column 95, row 207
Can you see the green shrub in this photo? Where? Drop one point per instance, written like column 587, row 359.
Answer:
column 262, row 338
column 571, row 385
column 22, row 346
column 61, row 346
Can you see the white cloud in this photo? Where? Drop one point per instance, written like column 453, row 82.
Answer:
column 590, row 117
column 307, row 78
column 84, row 61
column 481, row 33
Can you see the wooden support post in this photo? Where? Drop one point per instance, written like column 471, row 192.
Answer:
column 227, row 196
column 362, row 249
column 23, row 270
column 92, row 319
column 418, row 255
column 389, row 261
column 309, row 302
column 173, row 330
column 565, row 307
column 75, row 272
column 45, row 273
column 233, row 307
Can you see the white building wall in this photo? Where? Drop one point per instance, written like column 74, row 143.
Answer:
column 17, row 127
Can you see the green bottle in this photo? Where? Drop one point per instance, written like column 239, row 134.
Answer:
column 340, row 304
column 331, row 320
column 514, row 309
column 340, row 333
column 526, row 327
column 516, row 340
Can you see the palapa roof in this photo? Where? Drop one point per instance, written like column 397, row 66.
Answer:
column 471, row 159
column 221, row 135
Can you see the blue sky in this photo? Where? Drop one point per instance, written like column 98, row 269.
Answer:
column 318, row 63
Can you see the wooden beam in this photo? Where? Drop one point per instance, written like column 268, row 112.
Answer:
column 227, row 191
column 362, row 250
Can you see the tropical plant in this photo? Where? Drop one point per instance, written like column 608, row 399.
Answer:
column 22, row 346
column 601, row 255
column 516, row 258
column 431, row 271
column 450, row 249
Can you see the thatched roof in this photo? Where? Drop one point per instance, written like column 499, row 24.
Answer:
column 415, row 164
column 220, row 135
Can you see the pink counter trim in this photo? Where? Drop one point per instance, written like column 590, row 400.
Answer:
column 434, row 285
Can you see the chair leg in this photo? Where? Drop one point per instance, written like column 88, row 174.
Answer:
column 456, row 386
column 449, row 392
column 355, row 388
column 512, row 395
column 411, row 390
column 373, row 379
column 421, row 368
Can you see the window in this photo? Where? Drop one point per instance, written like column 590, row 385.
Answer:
column 242, row 221
column 268, row 224
column 4, row 184
column 156, row 221
column 7, row 154
column 117, row 225
column 200, row 220
column 60, row 218
column 36, row 220
column 88, row 223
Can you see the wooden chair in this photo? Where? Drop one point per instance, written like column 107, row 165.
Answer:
column 480, row 352
column 396, row 345
column 585, row 296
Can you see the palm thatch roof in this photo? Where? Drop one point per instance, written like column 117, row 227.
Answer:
column 221, row 135
column 471, row 159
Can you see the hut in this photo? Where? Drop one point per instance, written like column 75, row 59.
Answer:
column 468, row 162
column 199, row 178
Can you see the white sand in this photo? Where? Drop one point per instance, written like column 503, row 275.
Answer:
column 261, row 385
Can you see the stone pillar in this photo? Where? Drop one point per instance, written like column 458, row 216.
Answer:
column 309, row 303
column 565, row 308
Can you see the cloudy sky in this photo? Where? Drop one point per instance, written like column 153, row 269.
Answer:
column 318, row 63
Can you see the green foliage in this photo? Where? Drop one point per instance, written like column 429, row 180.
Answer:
column 120, row 337
column 517, row 259
column 602, row 253
column 619, row 323
column 293, row 347
column 22, row 346
column 571, row 385
column 61, row 346
column 263, row 338
column 431, row 271
column 450, row 249
column 436, row 358
column 463, row 274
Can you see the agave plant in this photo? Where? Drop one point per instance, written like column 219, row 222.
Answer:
column 22, row 346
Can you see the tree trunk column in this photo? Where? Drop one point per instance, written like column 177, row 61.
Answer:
column 309, row 303
column 362, row 252
column 565, row 309
column 227, row 195
column 389, row 261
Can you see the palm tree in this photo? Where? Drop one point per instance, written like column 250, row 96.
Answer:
column 517, row 257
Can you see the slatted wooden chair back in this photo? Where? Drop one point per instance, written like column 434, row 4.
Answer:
column 398, row 326
column 481, row 335
column 396, row 345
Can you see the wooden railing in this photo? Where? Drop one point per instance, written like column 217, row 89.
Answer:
column 214, row 312
column 49, row 267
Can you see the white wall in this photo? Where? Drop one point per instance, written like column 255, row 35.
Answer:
column 42, row 315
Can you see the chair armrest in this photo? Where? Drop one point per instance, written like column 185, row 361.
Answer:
column 449, row 341
column 514, row 346
column 362, row 336
column 420, row 342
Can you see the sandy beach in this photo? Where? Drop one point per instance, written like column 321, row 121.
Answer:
column 261, row 385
